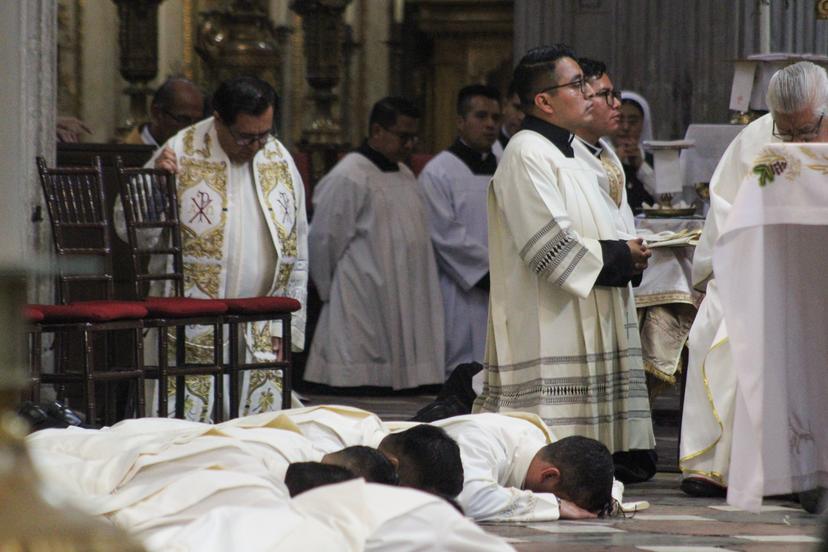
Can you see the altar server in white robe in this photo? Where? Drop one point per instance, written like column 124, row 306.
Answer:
column 510, row 122
column 798, row 99
column 591, row 148
column 244, row 232
column 455, row 183
column 512, row 471
column 373, row 265
column 563, row 336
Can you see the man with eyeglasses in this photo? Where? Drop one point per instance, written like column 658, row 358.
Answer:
column 244, row 227
column 178, row 103
column 373, row 264
column 798, row 100
column 591, row 147
column 563, row 334
column 455, row 182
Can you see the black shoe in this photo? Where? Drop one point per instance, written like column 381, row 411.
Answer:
column 38, row 418
column 702, row 488
column 634, row 466
column 61, row 412
column 813, row 501
column 440, row 409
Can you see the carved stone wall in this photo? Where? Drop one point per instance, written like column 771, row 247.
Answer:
column 28, row 96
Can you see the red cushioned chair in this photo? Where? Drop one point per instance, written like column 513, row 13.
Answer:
column 80, row 230
column 154, row 237
column 256, row 309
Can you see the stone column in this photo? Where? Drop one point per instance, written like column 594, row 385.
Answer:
column 27, row 130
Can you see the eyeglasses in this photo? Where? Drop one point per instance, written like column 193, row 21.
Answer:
column 247, row 139
column 610, row 95
column 185, row 120
column 405, row 137
column 804, row 134
column 580, row 83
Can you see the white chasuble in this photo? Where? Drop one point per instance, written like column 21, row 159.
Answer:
column 558, row 345
column 244, row 232
column 457, row 212
column 710, row 390
column 373, row 265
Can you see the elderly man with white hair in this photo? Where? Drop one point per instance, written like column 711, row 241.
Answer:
column 798, row 100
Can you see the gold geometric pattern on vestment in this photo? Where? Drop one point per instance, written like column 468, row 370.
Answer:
column 206, row 277
column 615, row 176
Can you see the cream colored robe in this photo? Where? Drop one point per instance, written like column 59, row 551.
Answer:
column 373, row 264
column 558, row 345
column 206, row 196
column 710, row 392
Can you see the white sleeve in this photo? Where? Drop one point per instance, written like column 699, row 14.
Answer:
column 484, row 499
column 646, row 176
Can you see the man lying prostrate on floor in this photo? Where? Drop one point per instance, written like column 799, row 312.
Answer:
column 149, row 471
column 426, row 458
column 515, row 470
column 365, row 462
column 329, row 427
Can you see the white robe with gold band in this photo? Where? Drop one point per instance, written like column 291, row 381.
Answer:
column 710, row 392
column 557, row 344
column 224, row 250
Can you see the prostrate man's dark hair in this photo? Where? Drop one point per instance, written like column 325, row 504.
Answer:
column 586, row 471
column 304, row 476
column 464, row 97
column 592, row 68
column 386, row 111
column 429, row 459
column 537, row 67
column 249, row 95
column 365, row 462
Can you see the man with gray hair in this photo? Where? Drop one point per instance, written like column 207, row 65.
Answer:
column 798, row 100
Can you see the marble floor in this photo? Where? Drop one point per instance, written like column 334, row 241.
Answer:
column 674, row 522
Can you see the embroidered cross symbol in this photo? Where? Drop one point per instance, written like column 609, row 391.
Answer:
column 201, row 204
column 284, row 203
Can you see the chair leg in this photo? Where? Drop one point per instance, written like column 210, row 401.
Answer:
column 35, row 365
column 163, row 365
column 180, row 360
column 287, row 369
column 89, row 381
column 218, row 360
column 140, row 392
column 233, row 367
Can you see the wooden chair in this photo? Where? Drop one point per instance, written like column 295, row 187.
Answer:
column 154, row 238
column 80, row 230
column 31, row 317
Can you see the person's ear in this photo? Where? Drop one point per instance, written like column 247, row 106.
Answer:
column 550, row 475
column 374, row 129
column 393, row 459
column 542, row 104
column 460, row 119
column 217, row 117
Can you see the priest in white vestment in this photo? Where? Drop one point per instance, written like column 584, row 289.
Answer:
column 563, row 336
column 455, row 183
column 244, row 233
column 373, row 265
column 507, row 476
column 798, row 98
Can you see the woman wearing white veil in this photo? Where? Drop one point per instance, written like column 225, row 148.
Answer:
column 635, row 126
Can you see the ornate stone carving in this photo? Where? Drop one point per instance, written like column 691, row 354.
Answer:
column 138, row 41
column 239, row 40
column 323, row 29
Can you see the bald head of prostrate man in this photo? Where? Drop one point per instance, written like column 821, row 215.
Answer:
column 426, row 459
column 798, row 100
column 577, row 469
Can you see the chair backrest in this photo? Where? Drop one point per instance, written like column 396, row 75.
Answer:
column 153, row 227
column 80, row 229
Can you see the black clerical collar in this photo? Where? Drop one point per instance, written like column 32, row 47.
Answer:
column 561, row 137
column 502, row 138
column 377, row 158
column 594, row 149
column 478, row 163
